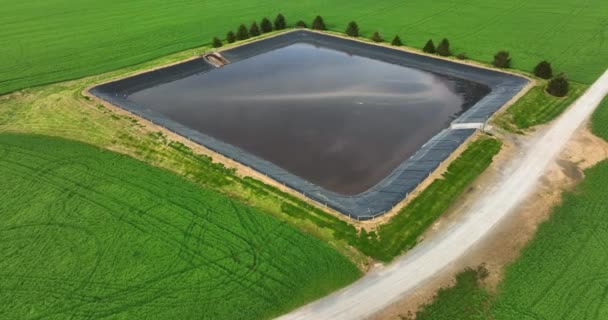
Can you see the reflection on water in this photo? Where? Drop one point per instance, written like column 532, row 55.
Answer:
column 341, row 121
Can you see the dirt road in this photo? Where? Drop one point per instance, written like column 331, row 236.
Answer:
column 384, row 285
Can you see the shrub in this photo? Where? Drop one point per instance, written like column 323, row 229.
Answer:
column 318, row 23
column 376, row 37
column 352, row 29
column 443, row 49
column 461, row 56
column 502, row 60
column 397, row 41
column 301, row 24
column 216, row 42
column 429, row 47
column 265, row 25
column 242, row 33
column 558, row 86
column 230, row 37
column 543, row 70
column 279, row 22
column 254, row 31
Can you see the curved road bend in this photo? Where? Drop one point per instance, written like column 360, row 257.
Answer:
column 385, row 285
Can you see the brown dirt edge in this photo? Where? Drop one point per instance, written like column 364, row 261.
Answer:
column 245, row 171
column 505, row 242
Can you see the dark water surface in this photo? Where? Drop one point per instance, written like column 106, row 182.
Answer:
column 340, row 121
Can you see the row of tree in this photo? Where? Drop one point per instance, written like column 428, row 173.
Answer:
column 243, row 33
column 557, row 86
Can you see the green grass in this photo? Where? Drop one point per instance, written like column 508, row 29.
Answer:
column 49, row 41
column 467, row 299
column 561, row 274
column 537, row 107
column 405, row 228
column 87, row 233
column 599, row 120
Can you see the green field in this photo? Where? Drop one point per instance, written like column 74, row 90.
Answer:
column 87, row 233
column 537, row 107
column 561, row 274
column 48, row 41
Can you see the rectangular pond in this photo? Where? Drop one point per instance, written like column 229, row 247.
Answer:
column 352, row 125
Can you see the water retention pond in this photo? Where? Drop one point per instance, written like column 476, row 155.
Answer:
column 351, row 125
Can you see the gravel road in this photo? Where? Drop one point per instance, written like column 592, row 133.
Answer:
column 385, row 285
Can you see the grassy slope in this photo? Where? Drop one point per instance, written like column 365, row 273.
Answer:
column 48, row 41
column 561, row 274
column 86, row 233
column 537, row 107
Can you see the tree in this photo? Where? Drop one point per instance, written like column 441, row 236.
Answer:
column 461, row 56
column 397, row 41
column 230, row 37
column 558, row 86
column 318, row 23
column 543, row 70
column 376, row 37
column 429, row 47
column 301, row 24
column 242, row 33
column 279, row 22
column 254, row 31
column 502, row 59
column 216, row 42
column 265, row 25
column 443, row 49
column 352, row 29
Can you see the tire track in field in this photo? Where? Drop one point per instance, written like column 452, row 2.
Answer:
column 140, row 291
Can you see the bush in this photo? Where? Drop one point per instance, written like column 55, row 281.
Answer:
column 352, row 29
column 429, row 47
column 216, row 42
column 318, row 23
column 443, row 49
column 376, row 37
column 265, row 25
column 254, row 31
column 230, row 37
column 558, row 86
column 279, row 22
column 543, row 70
column 502, row 60
column 301, row 24
column 461, row 56
column 397, row 41
column 242, row 33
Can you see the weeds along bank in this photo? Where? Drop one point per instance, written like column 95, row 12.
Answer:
column 64, row 39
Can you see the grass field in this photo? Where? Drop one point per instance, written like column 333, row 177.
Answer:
column 537, row 107
column 48, row 41
column 561, row 274
column 87, row 233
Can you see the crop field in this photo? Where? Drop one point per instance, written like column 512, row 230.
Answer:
column 561, row 274
column 49, row 41
column 87, row 233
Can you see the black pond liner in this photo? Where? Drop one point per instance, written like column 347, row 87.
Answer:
column 389, row 191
